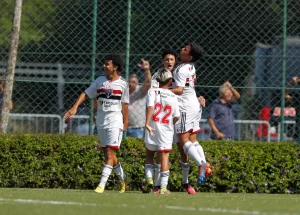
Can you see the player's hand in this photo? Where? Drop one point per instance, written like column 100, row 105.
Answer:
column 70, row 112
column 220, row 135
column 144, row 64
column 150, row 130
column 202, row 101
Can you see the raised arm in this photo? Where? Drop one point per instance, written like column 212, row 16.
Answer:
column 236, row 94
column 147, row 74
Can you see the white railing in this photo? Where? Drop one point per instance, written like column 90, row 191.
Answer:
column 247, row 131
column 34, row 123
column 52, row 123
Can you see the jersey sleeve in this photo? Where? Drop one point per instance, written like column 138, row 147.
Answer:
column 125, row 94
column 176, row 112
column 150, row 98
column 180, row 76
column 91, row 91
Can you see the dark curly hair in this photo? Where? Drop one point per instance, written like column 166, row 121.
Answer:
column 116, row 60
column 169, row 51
column 196, row 52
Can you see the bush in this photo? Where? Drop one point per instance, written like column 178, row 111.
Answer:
column 74, row 161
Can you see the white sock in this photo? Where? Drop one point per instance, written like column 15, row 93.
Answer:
column 200, row 151
column 118, row 170
column 191, row 151
column 157, row 175
column 185, row 170
column 164, row 178
column 149, row 168
column 106, row 171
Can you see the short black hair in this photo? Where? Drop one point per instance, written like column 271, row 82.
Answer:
column 196, row 52
column 169, row 51
column 116, row 60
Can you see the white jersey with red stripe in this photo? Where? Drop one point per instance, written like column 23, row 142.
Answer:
column 155, row 84
column 165, row 108
column 185, row 76
column 110, row 96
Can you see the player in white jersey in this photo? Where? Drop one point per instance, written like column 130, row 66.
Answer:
column 112, row 94
column 169, row 59
column 162, row 113
column 190, row 109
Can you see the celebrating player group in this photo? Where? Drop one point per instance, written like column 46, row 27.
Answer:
column 173, row 113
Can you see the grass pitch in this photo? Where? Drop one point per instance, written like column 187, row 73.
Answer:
column 62, row 202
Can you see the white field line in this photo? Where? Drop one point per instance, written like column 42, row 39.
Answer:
column 169, row 207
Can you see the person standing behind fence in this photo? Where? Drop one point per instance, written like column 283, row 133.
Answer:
column 137, row 105
column 293, row 99
column 112, row 93
column 220, row 117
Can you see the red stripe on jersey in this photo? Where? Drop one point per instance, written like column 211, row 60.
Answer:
column 102, row 90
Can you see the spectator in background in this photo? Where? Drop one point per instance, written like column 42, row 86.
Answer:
column 292, row 98
column 220, row 117
column 137, row 101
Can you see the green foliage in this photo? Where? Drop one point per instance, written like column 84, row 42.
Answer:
column 34, row 26
column 74, row 161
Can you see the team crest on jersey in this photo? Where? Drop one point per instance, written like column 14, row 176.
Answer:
column 108, row 92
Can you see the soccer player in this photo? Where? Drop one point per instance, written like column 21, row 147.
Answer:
column 169, row 59
column 161, row 115
column 112, row 94
column 190, row 113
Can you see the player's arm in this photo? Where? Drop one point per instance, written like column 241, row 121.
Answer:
column 178, row 90
column 176, row 114
column 73, row 110
column 180, row 81
column 125, row 102
column 91, row 92
column 147, row 74
column 125, row 115
column 149, row 111
column 202, row 101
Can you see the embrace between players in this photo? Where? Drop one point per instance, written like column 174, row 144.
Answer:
column 173, row 116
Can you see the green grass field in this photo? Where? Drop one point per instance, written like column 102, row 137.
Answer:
column 56, row 202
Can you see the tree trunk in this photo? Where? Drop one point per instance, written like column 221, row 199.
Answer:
column 12, row 58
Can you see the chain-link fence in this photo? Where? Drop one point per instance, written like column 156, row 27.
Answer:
column 250, row 43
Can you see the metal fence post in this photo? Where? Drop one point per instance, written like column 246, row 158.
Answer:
column 95, row 15
column 127, row 56
column 284, row 23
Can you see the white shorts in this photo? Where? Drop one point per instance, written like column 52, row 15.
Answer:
column 159, row 148
column 188, row 123
column 110, row 137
